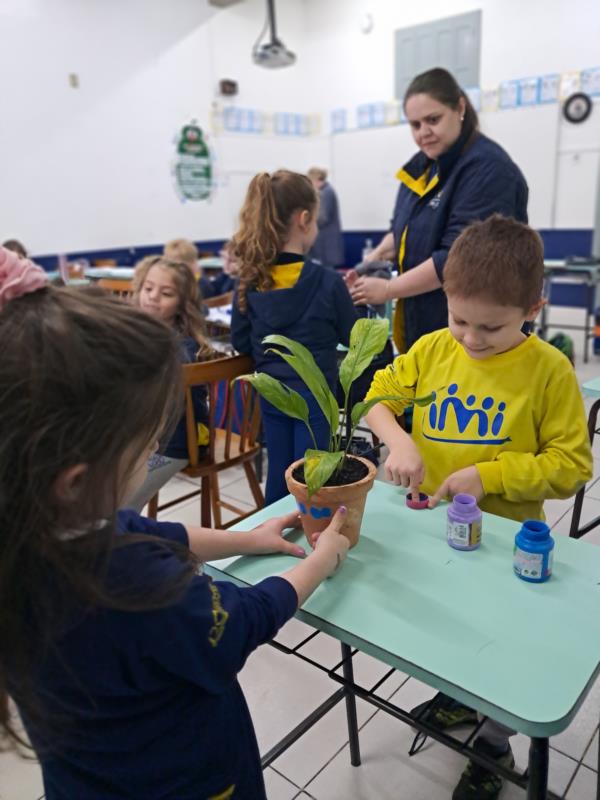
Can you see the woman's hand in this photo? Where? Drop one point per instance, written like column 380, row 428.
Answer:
column 404, row 467
column 464, row 481
column 371, row 291
column 268, row 537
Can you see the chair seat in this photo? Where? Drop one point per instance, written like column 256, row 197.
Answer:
column 220, row 462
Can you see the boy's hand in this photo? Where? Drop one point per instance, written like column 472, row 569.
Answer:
column 464, row 481
column 268, row 537
column 332, row 543
column 404, row 467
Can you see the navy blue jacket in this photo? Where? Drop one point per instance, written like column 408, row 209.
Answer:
column 328, row 248
column 177, row 444
column 475, row 178
column 152, row 700
column 213, row 287
column 317, row 312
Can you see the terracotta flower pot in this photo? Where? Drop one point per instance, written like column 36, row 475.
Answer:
column 317, row 512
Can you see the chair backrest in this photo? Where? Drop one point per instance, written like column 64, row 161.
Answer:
column 121, row 288
column 242, row 408
column 220, row 300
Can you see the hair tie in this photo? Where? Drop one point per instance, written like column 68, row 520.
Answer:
column 18, row 276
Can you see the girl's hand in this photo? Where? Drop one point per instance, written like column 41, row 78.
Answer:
column 464, row 481
column 268, row 537
column 404, row 467
column 371, row 291
column 332, row 544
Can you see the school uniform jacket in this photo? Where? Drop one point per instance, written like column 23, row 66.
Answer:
column 313, row 307
column 435, row 202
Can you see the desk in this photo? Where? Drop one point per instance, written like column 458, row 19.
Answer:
column 113, row 273
column 462, row 622
column 583, row 281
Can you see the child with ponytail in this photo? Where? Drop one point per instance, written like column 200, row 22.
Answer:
column 282, row 291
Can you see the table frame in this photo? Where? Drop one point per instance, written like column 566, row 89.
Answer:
column 534, row 779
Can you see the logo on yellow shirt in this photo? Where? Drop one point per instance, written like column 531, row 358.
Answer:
column 456, row 419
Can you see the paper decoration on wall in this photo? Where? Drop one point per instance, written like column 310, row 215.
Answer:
column 570, row 82
column 392, row 113
column 529, row 91
column 363, row 115
column 474, row 95
column 590, row 81
column 549, row 86
column 509, row 94
column 489, row 100
column 339, row 120
column 193, row 169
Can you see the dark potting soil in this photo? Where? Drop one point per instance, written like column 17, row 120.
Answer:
column 351, row 471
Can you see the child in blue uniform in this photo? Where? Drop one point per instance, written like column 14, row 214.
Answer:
column 168, row 291
column 281, row 291
column 121, row 658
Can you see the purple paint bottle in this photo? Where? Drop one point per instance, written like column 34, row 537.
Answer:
column 464, row 523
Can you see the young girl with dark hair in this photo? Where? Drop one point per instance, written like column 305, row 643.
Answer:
column 121, row 658
column 168, row 290
column 281, row 291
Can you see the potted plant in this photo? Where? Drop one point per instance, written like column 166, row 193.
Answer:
column 325, row 479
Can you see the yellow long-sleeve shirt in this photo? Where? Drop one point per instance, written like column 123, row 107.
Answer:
column 517, row 416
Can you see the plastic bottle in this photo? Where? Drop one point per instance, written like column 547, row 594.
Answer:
column 464, row 523
column 534, row 552
column 367, row 249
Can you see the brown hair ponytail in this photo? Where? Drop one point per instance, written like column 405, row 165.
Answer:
column 265, row 218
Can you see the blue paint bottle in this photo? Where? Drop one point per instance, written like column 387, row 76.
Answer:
column 534, row 551
column 463, row 529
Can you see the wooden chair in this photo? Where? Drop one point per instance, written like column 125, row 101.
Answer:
column 220, row 300
column 227, row 448
column 121, row 288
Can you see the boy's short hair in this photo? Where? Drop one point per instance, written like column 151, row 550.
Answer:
column 181, row 250
column 499, row 259
column 317, row 174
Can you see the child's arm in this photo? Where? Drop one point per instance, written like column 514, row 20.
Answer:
column 240, row 329
column 209, row 544
column 404, row 465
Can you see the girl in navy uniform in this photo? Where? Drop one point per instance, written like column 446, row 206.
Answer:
column 458, row 176
column 168, row 290
column 281, row 291
column 121, row 658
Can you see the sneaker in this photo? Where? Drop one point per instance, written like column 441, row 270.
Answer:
column 444, row 712
column 478, row 783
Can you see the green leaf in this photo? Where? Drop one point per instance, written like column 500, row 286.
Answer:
column 281, row 396
column 301, row 360
column 362, row 408
column 318, row 468
column 367, row 339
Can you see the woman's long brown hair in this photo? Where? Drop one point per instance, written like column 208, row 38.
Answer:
column 79, row 385
column 264, row 224
column 188, row 321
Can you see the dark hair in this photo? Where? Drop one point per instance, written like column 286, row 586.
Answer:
column 264, row 223
column 442, row 86
column 188, row 320
column 16, row 247
column 84, row 379
column 499, row 259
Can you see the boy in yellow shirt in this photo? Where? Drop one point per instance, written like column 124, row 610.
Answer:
column 507, row 424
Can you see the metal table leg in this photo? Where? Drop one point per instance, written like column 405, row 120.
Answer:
column 537, row 788
column 348, row 673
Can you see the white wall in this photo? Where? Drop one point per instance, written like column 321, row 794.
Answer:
column 90, row 167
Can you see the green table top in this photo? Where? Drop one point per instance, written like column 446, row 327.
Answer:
column 591, row 388
column 462, row 622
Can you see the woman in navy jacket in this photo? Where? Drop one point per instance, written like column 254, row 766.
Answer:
column 458, row 175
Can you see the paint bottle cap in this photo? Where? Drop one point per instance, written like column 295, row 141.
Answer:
column 418, row 503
